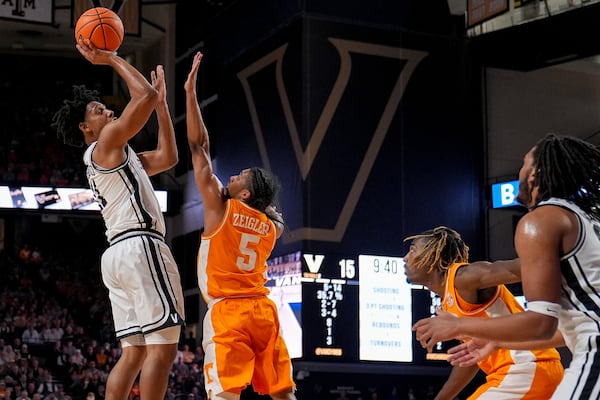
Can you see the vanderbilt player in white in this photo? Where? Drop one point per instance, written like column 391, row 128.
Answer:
column 558, row 243
column 137, row 268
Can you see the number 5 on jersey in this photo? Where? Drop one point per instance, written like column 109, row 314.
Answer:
column 247, row 262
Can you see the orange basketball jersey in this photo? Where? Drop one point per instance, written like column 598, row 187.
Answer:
column 232, row 260
column 503, row 303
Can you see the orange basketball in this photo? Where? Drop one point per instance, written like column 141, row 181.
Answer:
column 102, row 27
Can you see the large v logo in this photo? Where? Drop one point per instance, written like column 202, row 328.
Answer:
column 305, row 157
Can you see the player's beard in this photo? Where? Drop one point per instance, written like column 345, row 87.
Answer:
column 524, row 196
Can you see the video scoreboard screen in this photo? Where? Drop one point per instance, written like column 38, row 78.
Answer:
column 57, row 199
column 350, row 309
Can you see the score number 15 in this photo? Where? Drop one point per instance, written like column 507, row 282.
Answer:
column 347, row 269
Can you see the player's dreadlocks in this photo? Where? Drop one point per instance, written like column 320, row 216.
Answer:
column 264, row 188
column 568, row 168
column 443, row 247
column 66, row 120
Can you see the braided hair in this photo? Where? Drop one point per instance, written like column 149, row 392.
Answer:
column 443, row 247
column 263, row 188
column 66, row 120
column 568, row 168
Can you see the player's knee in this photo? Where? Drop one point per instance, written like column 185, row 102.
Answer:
column 133, row 356
column 162, row 345
column 162, row 353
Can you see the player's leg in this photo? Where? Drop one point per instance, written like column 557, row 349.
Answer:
column 228, row 357
column 273, row 373
column 123, row 374
column 161, row 350
column 128, row 366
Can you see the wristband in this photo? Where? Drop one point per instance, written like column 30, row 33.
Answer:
column 544, row 307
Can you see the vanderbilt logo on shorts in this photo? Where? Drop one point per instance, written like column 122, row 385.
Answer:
column 174, row 318
column 306, row 156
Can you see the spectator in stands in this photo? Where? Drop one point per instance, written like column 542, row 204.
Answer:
column 77, row 358
column 196, row 373
column 22, row 392
column 25, row 254
column 35, row 370
column 199, row 358
column 62, row 362
column 181, row 368
column 60, row 392
column 31, row 388
column 195, row 394
column 8, row 355
column 23, row 395
column 190, row 340
column 24, row 353
column 50, row 396
column 31, row 335
column 87, row 386
column 6, row 331
column 46, row 332
column 76, row 375
column 69, row 348
column 90, row 353
column 3, row 392
column 101, row 391
column 46, row 386
column 36, row 256
column 100, row 356
column 17, row 346
column 187, row 356
column 57, row 330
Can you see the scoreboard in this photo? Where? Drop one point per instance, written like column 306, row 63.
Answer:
column 385, row 310
column 350, row 308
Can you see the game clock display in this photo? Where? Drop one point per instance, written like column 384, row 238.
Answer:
column 352, row 309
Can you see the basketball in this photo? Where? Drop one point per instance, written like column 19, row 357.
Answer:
column 102, row 27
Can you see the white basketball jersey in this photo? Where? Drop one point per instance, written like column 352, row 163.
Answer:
column 125, row 195
column 579, row 319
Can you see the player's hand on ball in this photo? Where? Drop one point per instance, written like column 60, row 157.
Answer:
column 92, row 54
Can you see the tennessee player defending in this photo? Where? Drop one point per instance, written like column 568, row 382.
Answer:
column 242, row 340
column 438, row 259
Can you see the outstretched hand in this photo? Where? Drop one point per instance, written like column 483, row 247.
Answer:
column 471, row 352
column 190, row 83
column 430, row 331
column 158, row 82
column 92, row 53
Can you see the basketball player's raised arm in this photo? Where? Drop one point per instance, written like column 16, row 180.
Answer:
column 165, row 155
column 210, row 187
column 143, row 96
